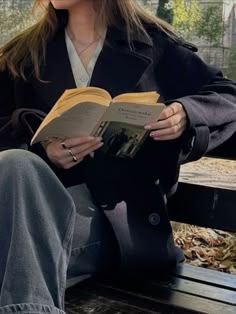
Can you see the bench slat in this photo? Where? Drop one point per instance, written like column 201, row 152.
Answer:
column 204, row 206
column 173, row 300
column 182, row 293
column 202, row 290
column 148, row 297
column 211, row 277
column 100, row 299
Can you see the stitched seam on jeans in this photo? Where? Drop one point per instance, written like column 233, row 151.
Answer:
column 69, row 232
column 86, row 246
column 29, row 308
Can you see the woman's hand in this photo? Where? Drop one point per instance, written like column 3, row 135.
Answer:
column 68, row 153
column 171, row 124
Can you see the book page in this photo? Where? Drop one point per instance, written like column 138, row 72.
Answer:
column 139, row 97
column 63, row 118
column 79, row 120
column 87, row 90
column 72, row 97
column 133, row 113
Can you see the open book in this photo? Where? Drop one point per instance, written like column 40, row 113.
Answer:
column 91, row 111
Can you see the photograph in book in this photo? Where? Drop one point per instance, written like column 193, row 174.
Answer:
column 121, row 139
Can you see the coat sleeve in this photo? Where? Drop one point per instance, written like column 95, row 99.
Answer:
column 7, row 107
column 19, row 121
column 208, row 98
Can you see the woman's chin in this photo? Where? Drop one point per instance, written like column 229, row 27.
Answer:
column 65, row 4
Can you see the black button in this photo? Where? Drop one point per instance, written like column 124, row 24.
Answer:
column 154, row 219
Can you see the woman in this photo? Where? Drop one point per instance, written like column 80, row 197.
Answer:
column 44, row 238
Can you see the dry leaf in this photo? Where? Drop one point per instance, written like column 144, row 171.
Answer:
column 205, row 247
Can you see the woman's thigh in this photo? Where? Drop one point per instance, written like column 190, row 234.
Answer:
column 94, row 248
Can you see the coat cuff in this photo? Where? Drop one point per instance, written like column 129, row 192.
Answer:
column 194, row 145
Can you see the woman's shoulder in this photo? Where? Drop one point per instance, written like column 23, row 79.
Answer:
column 166, row 38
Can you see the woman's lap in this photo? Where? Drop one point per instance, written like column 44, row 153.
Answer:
column 93, row 246
column 26, row 178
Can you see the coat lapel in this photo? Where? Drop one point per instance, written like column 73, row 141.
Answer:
column 56, row 73
column 121, row 66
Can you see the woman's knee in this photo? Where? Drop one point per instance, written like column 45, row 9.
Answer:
column 15, row 160
column 17, row 156
column 27, row 181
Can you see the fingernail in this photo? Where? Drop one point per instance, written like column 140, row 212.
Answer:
column 147, row 127
column 98, row 139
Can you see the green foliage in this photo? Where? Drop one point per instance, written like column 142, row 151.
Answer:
column 211, row 27
column 187, row 14
column 165, row 11
column 231, row 73
column 15, row 16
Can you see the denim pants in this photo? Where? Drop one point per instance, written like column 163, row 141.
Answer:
column 50, row 237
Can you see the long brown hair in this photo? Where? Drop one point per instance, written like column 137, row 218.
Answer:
column 29, row 47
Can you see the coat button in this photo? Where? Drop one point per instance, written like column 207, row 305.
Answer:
column 154, row 219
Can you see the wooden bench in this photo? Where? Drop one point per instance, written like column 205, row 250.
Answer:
column 189, row 289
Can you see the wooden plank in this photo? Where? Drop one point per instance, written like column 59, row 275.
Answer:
column 204, row 206
column 140, row 298
column 211, row 172
column 100, row 299
column 165, row 295
column 202, row 290
column 211, row 277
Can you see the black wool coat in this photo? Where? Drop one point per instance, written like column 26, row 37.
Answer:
column 155, row 63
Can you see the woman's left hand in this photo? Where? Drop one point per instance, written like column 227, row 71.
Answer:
column 171, row 124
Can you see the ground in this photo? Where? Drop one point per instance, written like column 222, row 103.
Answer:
column 204, row 246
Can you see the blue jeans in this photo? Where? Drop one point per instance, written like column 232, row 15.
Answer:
column 50, row 237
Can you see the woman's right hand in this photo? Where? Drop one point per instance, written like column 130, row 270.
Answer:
column 68, row 153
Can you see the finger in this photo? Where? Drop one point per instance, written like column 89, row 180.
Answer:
column 58, row 153
column 168, row 112
column 172, row 132
column 90, row 149
column 66, row 152
column 63, row 155
column 75, row 141
column 171, row 110
column 83, row 147
column 70, row 163
column 164, row 124
column 54, row 151
column 168, row 137
column 170, row 117
column 83, row 151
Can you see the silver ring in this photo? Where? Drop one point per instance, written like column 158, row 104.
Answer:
column 72, row 155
